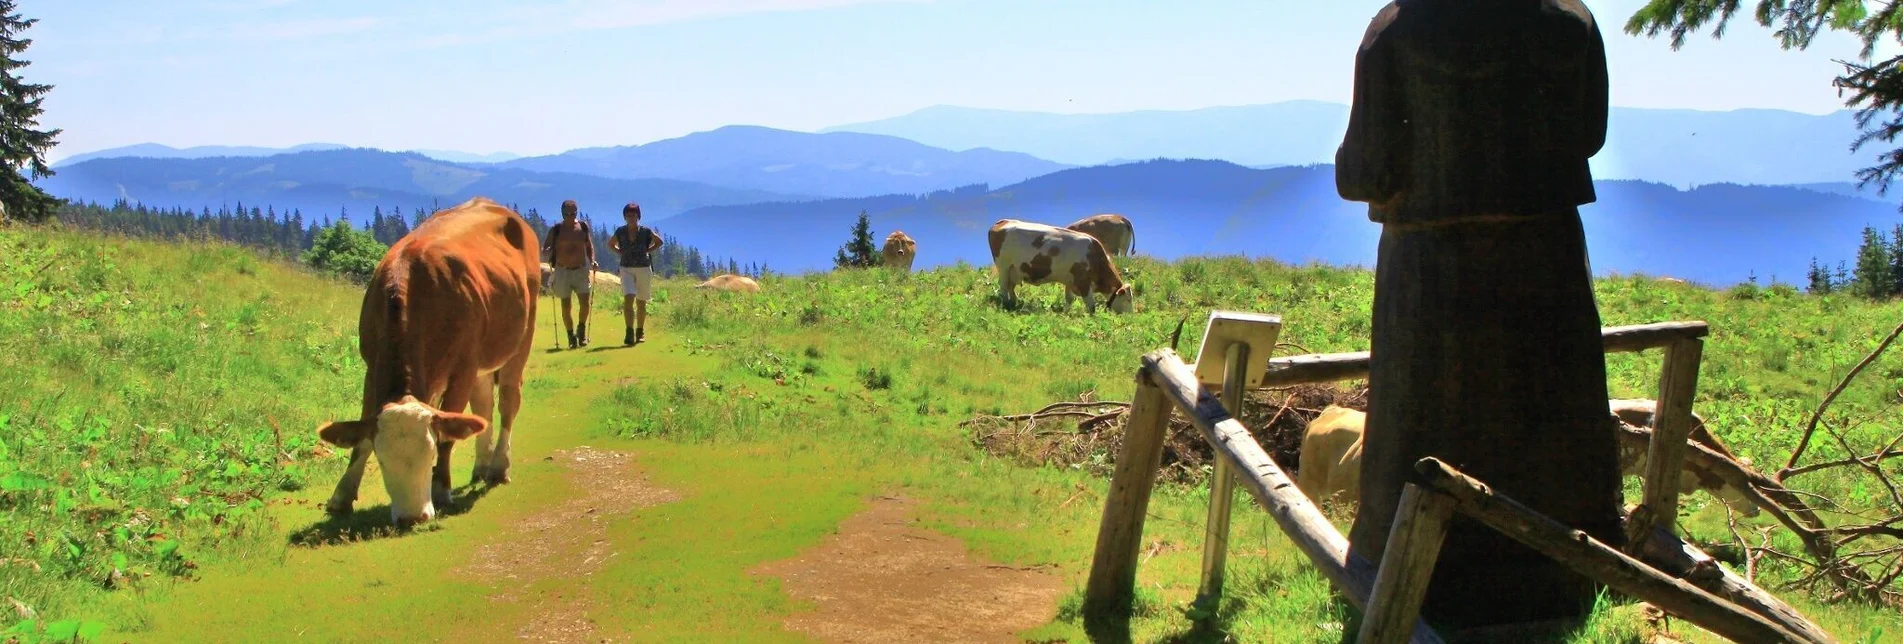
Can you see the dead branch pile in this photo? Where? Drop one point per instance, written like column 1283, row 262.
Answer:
column 1088, row 434
column 1861, row 558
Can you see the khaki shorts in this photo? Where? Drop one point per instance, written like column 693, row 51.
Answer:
column 569, row 281
column 637, row 281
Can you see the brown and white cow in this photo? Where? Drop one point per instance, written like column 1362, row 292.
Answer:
column 1330, row 461
column 1028, row 253
column 1119, row 237
column 731, row 283
column 447, row 319
column 899, row 251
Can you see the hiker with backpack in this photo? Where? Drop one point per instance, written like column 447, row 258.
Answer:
column 571, row 252
column 635, row 244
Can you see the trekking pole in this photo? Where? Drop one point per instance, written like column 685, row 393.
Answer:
column 554, row 329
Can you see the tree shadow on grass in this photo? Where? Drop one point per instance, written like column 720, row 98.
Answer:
column 372, row 523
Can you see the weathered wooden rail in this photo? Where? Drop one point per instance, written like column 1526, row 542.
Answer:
column 1390, row 594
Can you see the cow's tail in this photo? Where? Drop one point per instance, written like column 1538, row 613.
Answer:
column 1133, row 240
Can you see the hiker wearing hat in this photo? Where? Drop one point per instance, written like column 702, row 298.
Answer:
column 635, row 244
column 571, row 250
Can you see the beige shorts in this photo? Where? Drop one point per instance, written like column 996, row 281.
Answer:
column 569, row 281
column 637, row 281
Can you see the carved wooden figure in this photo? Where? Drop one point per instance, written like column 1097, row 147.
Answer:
column 1468, row 137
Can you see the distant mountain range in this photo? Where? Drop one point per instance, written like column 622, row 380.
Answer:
column 787, row 198
column 1717, row 234
column 321, row 182
column 830, row 165
column 1676, row 147
column 158, row 151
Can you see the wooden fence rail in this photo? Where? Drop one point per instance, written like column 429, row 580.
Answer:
column 1390, row 596
column 1166, row 376
column 1336, row 367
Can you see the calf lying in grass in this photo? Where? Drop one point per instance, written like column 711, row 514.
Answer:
column 1330, row 463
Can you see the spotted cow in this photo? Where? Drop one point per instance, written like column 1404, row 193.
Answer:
column 1028, row 253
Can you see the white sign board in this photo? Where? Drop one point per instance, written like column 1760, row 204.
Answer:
column 1258, row 331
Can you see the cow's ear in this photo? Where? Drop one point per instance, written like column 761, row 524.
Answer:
column 451, row 426
column 347, row 433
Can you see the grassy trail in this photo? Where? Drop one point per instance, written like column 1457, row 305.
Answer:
column 366, row 585
column 655, row 488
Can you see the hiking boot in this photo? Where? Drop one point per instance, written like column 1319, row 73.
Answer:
column 629, row 339
column 640, row 334
column 582, row 331
column 571, row 340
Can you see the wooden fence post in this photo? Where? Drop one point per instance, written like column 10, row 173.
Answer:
column 1222, row 489
column 1665, row 457
column 1113, row 571
column 1400, row 584
column 1298, row 517
column 1600, row 562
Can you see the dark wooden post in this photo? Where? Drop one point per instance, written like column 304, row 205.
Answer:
column 1469, row 136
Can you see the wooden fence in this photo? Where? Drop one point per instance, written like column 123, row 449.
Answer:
column 1674, row 576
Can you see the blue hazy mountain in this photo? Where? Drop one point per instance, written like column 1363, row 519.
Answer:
column 830, row 165
column 321, row 182
column 1715, row 234
column 1676, row 147
column 160, row 151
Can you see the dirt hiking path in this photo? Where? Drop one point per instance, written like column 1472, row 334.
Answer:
column 881, row 579
column 567, row 541
column 564, row 553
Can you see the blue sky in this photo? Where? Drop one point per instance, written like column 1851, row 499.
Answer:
column 539, row 77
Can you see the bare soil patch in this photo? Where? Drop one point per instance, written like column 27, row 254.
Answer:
column 882, row 579
column 569, row 540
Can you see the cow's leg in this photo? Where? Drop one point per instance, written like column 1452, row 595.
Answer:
column 346, row 494
column 455, row 399
column 510, row 381
column 482, row 402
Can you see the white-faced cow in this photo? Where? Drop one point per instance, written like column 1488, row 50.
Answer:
column 731, row 283
column 899, row 251
column 1028, row 253
column 447, row 319
column 1119, row 237
column 1330, row 461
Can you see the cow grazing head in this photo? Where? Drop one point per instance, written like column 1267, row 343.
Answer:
column 404, row 437
column 1123, row 300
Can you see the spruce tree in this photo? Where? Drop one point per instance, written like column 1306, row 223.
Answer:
column 1819, row 279
column 1896, row 260
column 1873, row 265
column 859, row 252
column 22, row 145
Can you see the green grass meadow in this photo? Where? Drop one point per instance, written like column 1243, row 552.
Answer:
column 159, row 471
